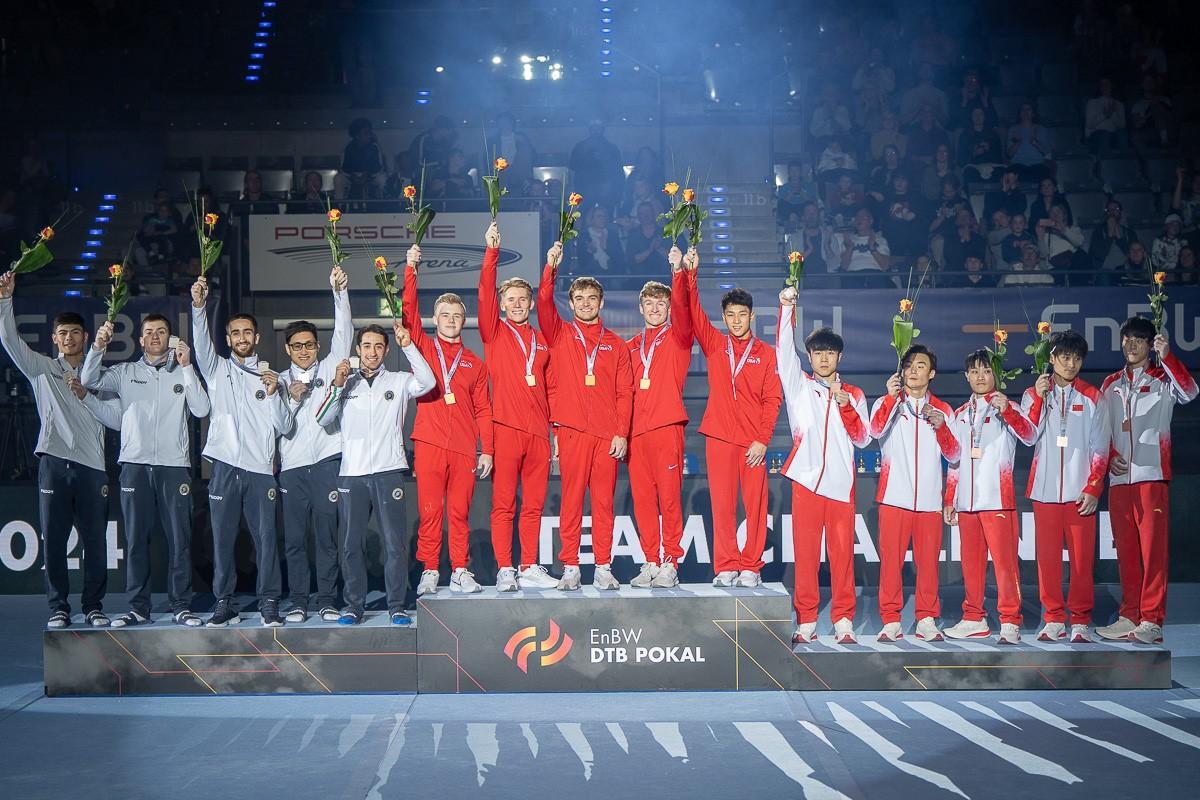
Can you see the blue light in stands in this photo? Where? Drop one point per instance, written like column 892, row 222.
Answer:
column 252, row 77
column 81, row 267
column 107, row 207
column 721, row 235
column 724, row 285
column 716, row 189
column 77, row 279
column 88, row 255
column 606, row 20
column 261, row 45
column 725, row 271
column 718, row 198
column 93, row 243
column 261, row 35
column 723, row 260
column 605, row 74
column 722, row 248
column 423, row 93
column 605, row 63
column 95, row 232
column 72, row 293
column 258, row 56
column 269, row 3
column 109, row 197
column 264, row 24
column 606, row 30
column 606, row 52
column 102, row 220
column 719, row 212
column 720, row 223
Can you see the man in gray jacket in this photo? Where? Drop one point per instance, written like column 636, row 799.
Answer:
column 156, row 393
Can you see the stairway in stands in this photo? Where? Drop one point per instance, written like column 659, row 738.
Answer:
column 741, row 229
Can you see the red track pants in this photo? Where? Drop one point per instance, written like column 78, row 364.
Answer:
column 727, row 468
column 813, row 515
column 656, row 480
column 445, row 485
column 1056, row 524
column 521, row 458
column 897, row 526
column 585, row 466
column 1140, row 513
column 995, row 532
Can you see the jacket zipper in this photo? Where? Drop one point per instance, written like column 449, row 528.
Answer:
column 824, row 443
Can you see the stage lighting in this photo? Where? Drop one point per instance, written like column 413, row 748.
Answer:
column 439, row 69
column 526, row 60
column 497, row 60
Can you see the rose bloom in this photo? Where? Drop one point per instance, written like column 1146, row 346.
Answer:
column 1160, row 277
column 334, row 215
column 115, row 270
column 1001, row 335
column 380, row 263
column 501, row 164
column 410, row 191
column 1043, row 328
column 210, row 220
column 795, row 256
column 47, row 233
column 906, row 306
column 671, row 188
column 575, row 199
column 688, row 195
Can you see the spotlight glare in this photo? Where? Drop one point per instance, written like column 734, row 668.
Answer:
column 497, row 60
column 526, row 59
column 439, row 69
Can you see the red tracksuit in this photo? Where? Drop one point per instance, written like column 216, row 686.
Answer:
column 445, row 436
column 521, row 412
column 1140, row 406
column 741, row 409
column 659, row 419
column 588, row 417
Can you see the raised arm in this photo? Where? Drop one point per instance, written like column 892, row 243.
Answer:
column 343, row 319
column 410, row 309
column 92, row 374
column 193, row 391
column 1183, row 385
column 791, row 371
column 1020, row 425
column 422, row 376
column 206, row 355
column 681, row 312
column 329, row 410
column 489, row 302
column 107, row 412
column 30, row 363
column 549, row 320
column 883, row 413
column 708, row 336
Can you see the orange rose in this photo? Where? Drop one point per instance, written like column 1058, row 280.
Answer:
column 410, row 191
column 1043, row 328
column 380, row 263
column 575, row 199
column 688, row 195
column 501, row 164
column 211, row 219
column 671, row 188
column 115, row 271
column 47, row 233
column 334, row 215
column 906, row 306
column 1159, row 278
column 1001, row 336
column 795, row 256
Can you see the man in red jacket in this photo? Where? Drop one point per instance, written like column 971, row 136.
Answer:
column 660, row 356
column 517, row 357
column 591, row 404
column 450, row 421
column 743, row 404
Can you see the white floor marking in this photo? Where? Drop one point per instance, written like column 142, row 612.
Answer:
column 481, row 739
column 530, row 737
column 816, row 731
column 987, row 712
column 1066, row 726
column 307, row 738
column 1021, row 759
column 1149, row 723
column 391, row 755
column 1190, row 705
column 437, row 737
column 766, row 739
column 890, row 752
column 573, row 733
column 669, row 738
column 618, row 733
column 354, row 731
column 276, row 729
column 879, row 708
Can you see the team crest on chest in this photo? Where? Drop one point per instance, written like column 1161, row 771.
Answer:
column 389, row 395
column 260, row 394
column 177, row 388
column 318, row 383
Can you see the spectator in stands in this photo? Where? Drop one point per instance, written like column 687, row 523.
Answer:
column 972, row 95
column 844, row 201
column 1186, row 271
column 596, row 168
column 642, row 192
column 830, row 119
column 902, row 221
column 507, row 142
column 875, row 72
column 157, row 238
column 813, row 239
column 863, row 253
column 1048, row 197
column 1110, row 243
column 925, row 137
column 965, row 242
column 979, row 150
column 600, row 250
column 430, row 150
column 888, row 135
column 997, row 234
column 945, row 210
column 364, row 170
column 645, row 244
column 835, row 161
column 252, row 191
column 1164, row 252
column 1019, row 235
column 1029, row 269
column 922, row 95
column 879, row 184
column 1136, row 268
column 1009, row 197
column 161, row 195
column 1104, row 123
column 454, row 182
column 869, row 107
column 1028, row 146
column 974, row 276
column 311, row 197
column 941, row 168
column 646, row 166
column 1188, row 208
column 1060, row 242
column 1149, row 58
column 1151, row 118
column 796, row 193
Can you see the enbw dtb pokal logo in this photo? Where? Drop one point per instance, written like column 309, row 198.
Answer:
column 553, row 649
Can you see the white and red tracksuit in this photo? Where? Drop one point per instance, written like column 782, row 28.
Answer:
column 517, row 357
column 743, row 405
column 659, row 358
column 980, row 488
column 588, row 417
column 450, row 422
column 821, row 468
column 1070, row 458
column 1140, row 404
column 910, row 498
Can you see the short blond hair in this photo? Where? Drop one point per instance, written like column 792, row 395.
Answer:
column 655, row 289
column 516, row 283
column 585, row 282
column 453, row 299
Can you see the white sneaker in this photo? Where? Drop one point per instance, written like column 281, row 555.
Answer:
column 927, row 630
column 968, row 629
column 726, row 579
column 806, row 632
column 1118, row 630
column 1080, row 634
column 603, row 578
column 1146, row 633
column 645, row 578
column 748, row 579
column 1009, row 634
column 843, row 632
column 570, row 579
column 891, row 632
column 428, row 583
column 1052, row 632
column 535, row 576
column 463, row 580
column 506, row 579
column 667, row 577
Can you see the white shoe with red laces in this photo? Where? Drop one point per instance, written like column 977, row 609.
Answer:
column 891, row 632
column 1147, row 633
column 927, row 630
column 806, row 633
column 1052, row 632
column 843, row 632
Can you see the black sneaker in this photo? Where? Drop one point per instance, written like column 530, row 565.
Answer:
column 400, row 618
column 269, row 609
column 98, row 619
column 59, row 619
column 350, row 617
column 129, row 619
column 187, row 619
column 296, row 615
column 224, row 614
column 329, row 614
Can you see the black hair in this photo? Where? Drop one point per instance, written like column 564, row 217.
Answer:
column 824, row 339
column 370, row 329
column 1068, row 343
column 980, row 356
column 155, row 318
column 299, row 326
column 918, row 350
column 737, row 297
column 1138, row 328
column 249, row 317
column 68, row 318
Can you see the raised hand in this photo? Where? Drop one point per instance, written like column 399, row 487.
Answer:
column 183, row 354
column 893, row 385
column 998, row 401
column 675, row 258
column 554, row 254
column 270, row 380
column 341, row 373
column 8, row 282
column 200, row 292
column 296, row 390
column 104, row 335
column 403, row 338
column 787, row 297
column 1042, row 386
column 492, row 236
column 338, row 279
column 691, row 261
column 76, row 387
column 1161, row 346
column 414, row 256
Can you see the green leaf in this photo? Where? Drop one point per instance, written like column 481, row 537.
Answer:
column 421, row 225
column 32, row 258
column 491, row 183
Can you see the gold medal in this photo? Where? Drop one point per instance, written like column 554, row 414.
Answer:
column 589, row 380
column 449, row 397
column 531, row 380
column 1062, row 441
column 1125, row 426
column 645, row 383
column 976, row 452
